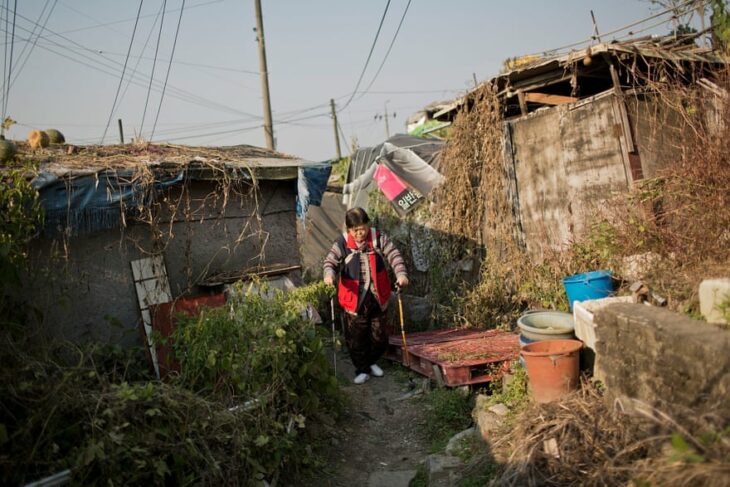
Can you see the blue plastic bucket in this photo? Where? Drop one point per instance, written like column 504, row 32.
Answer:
column 589, row 285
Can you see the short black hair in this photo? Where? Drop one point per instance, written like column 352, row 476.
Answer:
column 356, row 216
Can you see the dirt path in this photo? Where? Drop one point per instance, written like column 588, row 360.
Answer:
column 381, row 437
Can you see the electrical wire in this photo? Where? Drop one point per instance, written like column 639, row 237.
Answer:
column 154, row 63
column 367, row 61
column 344, row 139
column 10, row 66
column 178, row 93
column 32, row 47
column 385, row 58
column 121, row 79
column 97, row 26
column 5, row 55
column 169, row 66
column 139, row 60
column 615, row 31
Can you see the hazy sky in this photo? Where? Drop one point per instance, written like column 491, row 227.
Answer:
column 316, row 51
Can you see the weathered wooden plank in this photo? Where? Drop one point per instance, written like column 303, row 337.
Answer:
column 523, row 102
column 547, row 99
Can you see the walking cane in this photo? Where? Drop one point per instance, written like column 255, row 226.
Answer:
column 334, row 340
column 407, row 358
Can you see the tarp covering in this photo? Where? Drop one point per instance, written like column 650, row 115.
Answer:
column 101, row 200
column 413, row 160
column 398, row 193
column 311, row 184
column 95, row 202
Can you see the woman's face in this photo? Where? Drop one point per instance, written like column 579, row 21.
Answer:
column 360, row 232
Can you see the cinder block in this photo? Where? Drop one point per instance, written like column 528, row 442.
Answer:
column 714, row 295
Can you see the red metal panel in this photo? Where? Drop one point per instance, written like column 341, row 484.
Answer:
column 163, row 322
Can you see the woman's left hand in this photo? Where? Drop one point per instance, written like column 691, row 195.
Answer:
column 402, row 281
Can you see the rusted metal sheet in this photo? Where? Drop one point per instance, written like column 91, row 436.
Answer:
column 458, row 357
column 164, row 323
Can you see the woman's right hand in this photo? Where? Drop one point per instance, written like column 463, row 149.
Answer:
column 329, row 280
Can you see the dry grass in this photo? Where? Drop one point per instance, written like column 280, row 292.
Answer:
column 600, row 446
column 475, row 207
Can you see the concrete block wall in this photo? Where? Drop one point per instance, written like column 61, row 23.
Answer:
column 663, row 358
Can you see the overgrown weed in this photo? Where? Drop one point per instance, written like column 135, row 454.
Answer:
column 254, row 377
column 448, row 413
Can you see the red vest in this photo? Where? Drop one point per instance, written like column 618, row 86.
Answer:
column 348, row 291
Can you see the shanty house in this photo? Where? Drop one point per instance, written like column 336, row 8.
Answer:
column 129, row 226
column 581, row 126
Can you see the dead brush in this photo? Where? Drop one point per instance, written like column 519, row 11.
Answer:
column 682, row 213
column 474, row 205
column 581, row 440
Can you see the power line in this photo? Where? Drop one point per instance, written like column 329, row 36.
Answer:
column 10, row 67
column 5, row 53
column 169, row 66
column 620, row 29
column 185, row 63
column 139, row 60
column 121, row 79
column 372, row 47
column 154, row 63
column 392, row 42
column 183, row 95
column 32, row 47
column 96, row 26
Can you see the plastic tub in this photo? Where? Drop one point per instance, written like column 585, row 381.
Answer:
column 588, row 285
column 546, row 325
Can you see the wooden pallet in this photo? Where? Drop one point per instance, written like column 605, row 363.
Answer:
column 456, row 357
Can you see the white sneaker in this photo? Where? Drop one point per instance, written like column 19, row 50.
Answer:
column 377, row 371
column 361, row 378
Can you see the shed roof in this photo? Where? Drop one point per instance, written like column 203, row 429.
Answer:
column 538, row 71
column 667, row 48
column 72, row 161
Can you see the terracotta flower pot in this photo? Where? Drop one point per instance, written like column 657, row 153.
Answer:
column 552, row 367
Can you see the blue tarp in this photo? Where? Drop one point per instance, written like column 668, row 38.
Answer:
column 311, row 185
column 95, row 202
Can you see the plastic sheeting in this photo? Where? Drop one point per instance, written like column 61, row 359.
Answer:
column 413, row 160
column 100, row 201
column 95, row 202
column 311, row 184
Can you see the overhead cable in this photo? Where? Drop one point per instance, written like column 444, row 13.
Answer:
column 392, row 42
column 367, row 61
column 139, row 60
column 620, row 29
column 35, row 40
column 169, row 65
column 10, row 66
column 183, row 95
column 90, row 27
column 154, row 64
column 121, row 78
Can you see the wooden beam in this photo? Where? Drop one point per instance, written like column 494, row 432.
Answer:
column 546, row 99
column 622, row 106
column 523, row 103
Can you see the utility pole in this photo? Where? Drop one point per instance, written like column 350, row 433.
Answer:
column 387, row 128
column 121, row 131
column 268, row 124
column 380, row 117
column 337, row 134
column 596, row 35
